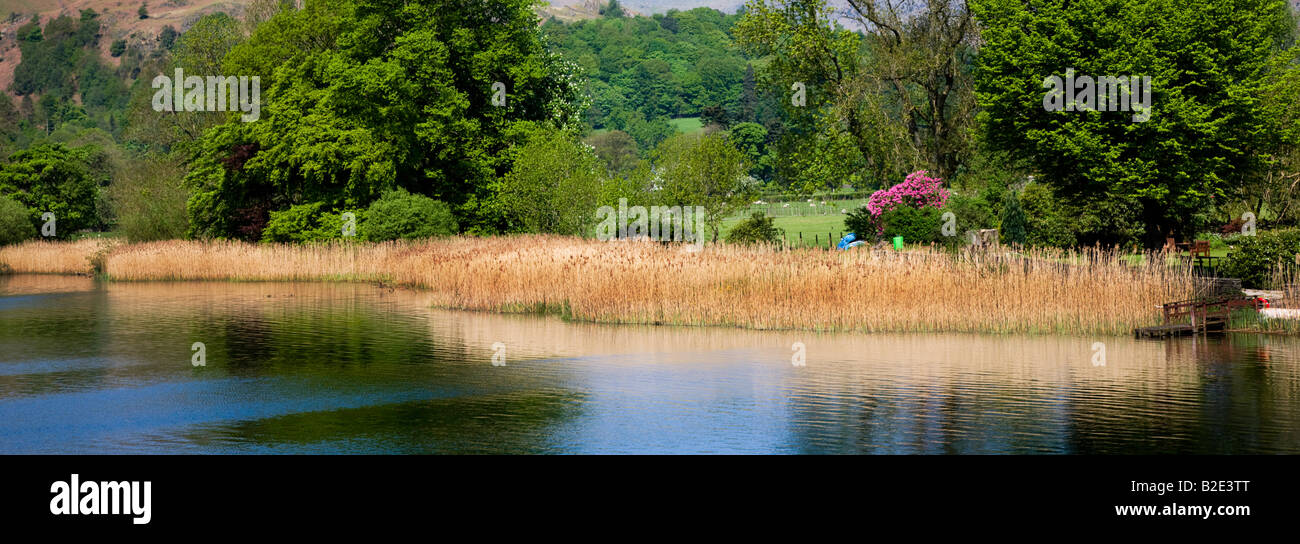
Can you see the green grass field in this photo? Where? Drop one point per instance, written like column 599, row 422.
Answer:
column 687, row 125
column 813, row 227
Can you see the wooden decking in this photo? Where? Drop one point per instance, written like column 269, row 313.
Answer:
column 1196, row 317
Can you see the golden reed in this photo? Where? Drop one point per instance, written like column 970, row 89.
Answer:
column 645, row 282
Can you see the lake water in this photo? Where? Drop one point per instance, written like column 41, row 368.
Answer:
column 106, row 367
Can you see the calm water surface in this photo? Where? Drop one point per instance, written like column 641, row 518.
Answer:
column 95, row 367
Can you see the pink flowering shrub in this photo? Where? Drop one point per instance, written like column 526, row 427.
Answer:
column 919, row 190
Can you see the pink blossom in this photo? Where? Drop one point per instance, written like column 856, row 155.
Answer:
column 919, row 190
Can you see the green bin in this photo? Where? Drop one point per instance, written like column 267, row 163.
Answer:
column 898, row 242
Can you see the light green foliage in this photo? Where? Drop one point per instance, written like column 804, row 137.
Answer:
column 148, row 199
column 704, row 170
column 879, row 102
column 399, row 215
column 15, row 222
column 1258, row 259
column 646, row 70
column 311, row 223
column 554, row 186
column 363, row 96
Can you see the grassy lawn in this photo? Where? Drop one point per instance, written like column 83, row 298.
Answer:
column 812, row 227
column 687, row 125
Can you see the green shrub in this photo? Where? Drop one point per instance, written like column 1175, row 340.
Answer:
column 1013, row 220
column 972, row 212
column 758, row 229
column 148, row 200
column 915, row 225
column 118, row 47
column 399, row 215
column 311, row 222
column 1258, row 257
column 1047, row 223
column 15, row 222
column 860, row 222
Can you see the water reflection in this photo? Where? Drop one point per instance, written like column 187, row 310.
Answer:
column 342, row 368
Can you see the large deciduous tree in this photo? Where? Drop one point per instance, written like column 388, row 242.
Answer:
column 892, row 98
column 1207, row 132
column 361, row 96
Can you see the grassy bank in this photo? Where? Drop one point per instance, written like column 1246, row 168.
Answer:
column 648, row 283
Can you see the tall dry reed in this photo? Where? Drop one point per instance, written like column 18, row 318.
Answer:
column 42, row 257
column 755, row 287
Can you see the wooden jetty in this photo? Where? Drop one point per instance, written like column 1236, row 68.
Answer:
column 1196, row 316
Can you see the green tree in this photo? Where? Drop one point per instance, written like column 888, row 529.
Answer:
column 897, row 91
column 359, row 97
column 148, row 199
column 616, row 149
column 1013, row 221
column 704, row 170
column 553, row 187
column 1207, row 61
column 15, row 222
column 53, row 178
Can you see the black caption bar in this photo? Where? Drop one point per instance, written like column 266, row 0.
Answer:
column 162, row 495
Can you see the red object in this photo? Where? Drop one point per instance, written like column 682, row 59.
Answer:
column 1262, row 302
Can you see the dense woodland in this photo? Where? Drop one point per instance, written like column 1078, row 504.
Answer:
column 383, row 109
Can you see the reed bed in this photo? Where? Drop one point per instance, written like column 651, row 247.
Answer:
column 42, row 257
column 1090, row 292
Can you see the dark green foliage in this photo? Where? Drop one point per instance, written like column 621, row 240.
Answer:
column 54, row 178
column 612, row 10
column 1047, row 222
column 399, row 215
column 1208, row 60
column 118, row 47
column 143, row 12
column 167, row 37
column 752, row 139
column 758, row 229
column 655, row 68
column 860, row 222
column 1013, row 221
column 1258, row 258
column 915, row 225
column 61, row 62
column 972, row 213
column 15, row 222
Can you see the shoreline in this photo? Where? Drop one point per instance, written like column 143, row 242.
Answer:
column 759, row 288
